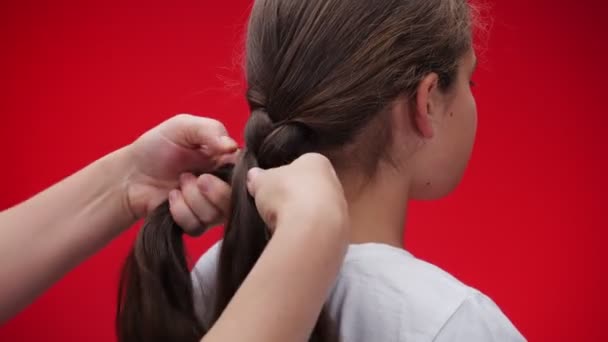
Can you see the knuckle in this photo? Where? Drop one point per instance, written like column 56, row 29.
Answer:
column 317, row 158
column 211, row 188
column 190, row 196
column 188, row 221
column 182, row 116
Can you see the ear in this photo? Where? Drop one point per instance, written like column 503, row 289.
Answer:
column 424, row 105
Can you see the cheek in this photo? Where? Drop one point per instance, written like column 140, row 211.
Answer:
column 472, row 103
column 464, row 138
column 447, row 157
column 466, row 125
column 464, row 120
column 472, row 117
column 463, row 129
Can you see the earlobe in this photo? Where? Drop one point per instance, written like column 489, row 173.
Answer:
column 424, row 108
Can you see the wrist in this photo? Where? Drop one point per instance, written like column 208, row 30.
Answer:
column 141, row 193
column 120, row 163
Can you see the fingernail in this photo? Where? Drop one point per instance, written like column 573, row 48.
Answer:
column 173, row 196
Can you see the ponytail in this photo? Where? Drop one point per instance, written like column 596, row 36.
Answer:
column 155, row 295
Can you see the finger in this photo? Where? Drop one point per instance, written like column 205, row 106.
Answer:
column 216, row 191
column 229, row 158
column 183, row 216
column 253, row 180
column 206, row 212
column 223, row 144
column 208, row 134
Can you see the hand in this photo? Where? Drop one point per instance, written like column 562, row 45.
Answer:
column 306, row 190
column 200, row 203
column 182, row 145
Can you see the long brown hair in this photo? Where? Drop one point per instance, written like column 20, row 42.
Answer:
column 319, row 74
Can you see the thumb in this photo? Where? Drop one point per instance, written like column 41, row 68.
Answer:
column 194, row 131
column 253, row 180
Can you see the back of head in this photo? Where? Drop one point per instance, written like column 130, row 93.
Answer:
column 320, row 74
column 332, row 66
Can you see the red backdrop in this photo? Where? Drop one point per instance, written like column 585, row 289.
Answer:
column 527, row 226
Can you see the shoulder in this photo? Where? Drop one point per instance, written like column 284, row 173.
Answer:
column 203, row 276
column 206, row 265
column 385, row 293
column 478, row 318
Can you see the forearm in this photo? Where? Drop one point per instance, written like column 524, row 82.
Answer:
column 283, row 295
column 49, row 234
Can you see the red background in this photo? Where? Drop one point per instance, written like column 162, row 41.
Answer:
column 527, row 226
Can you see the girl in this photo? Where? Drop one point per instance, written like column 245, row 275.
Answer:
column 382, row 88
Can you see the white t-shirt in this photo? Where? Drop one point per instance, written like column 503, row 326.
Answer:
column 384, row 293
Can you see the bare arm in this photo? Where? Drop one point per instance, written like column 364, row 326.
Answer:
column 52, row 232
column 283, row 295
column 281, row 298
column 44, row 237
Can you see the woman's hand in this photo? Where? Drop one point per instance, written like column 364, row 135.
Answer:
column 308, row 189
column 304, row 203
column 71, row 220
column 166, row 157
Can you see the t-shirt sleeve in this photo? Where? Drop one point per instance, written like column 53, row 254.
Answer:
column 203, row 282
column 478, row 319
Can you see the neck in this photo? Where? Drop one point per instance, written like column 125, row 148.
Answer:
column 377, row 209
